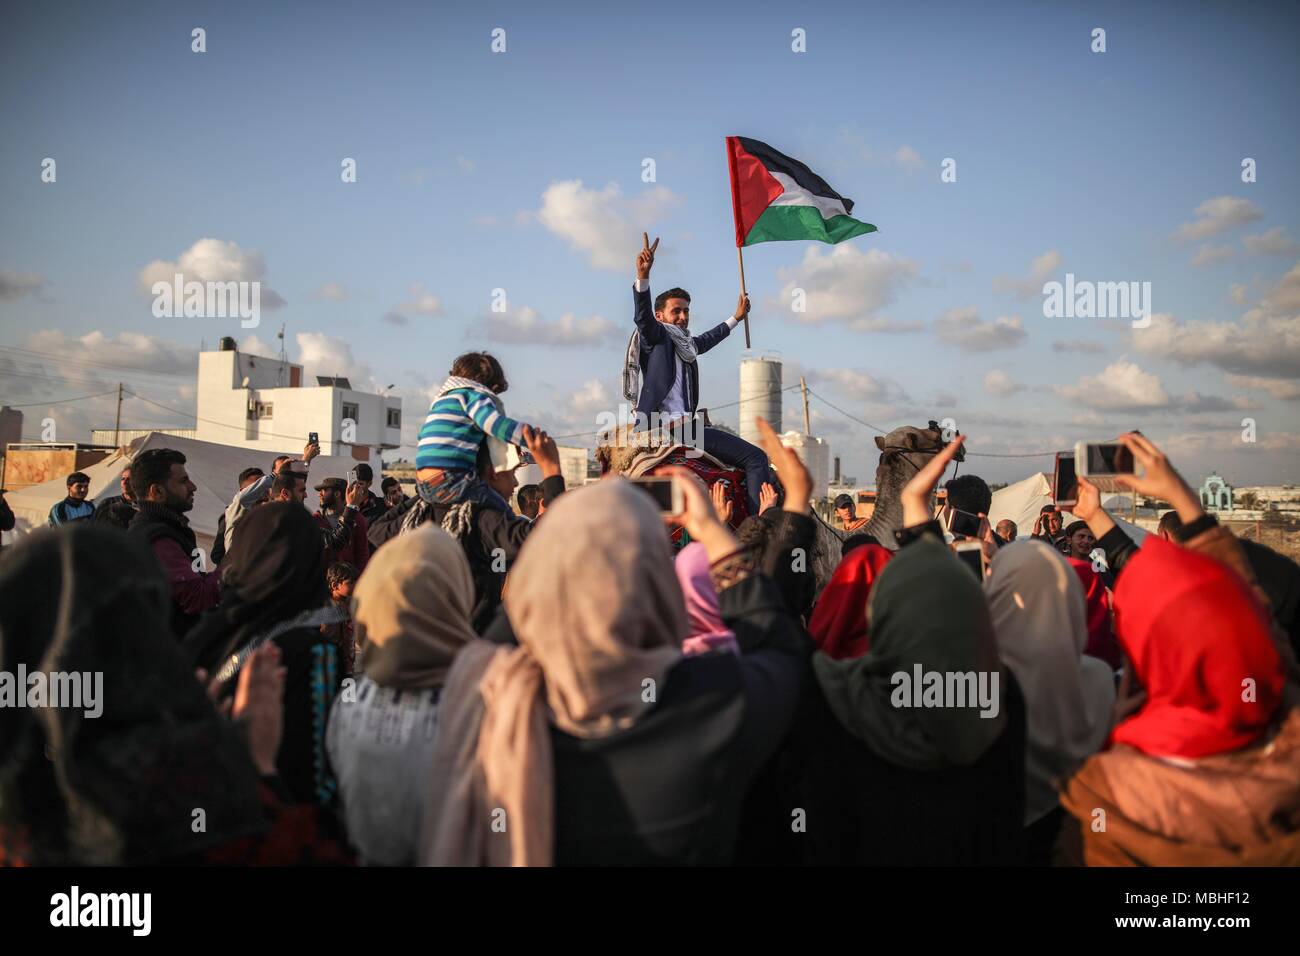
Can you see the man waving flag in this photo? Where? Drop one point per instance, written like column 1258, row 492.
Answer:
column 775, row 198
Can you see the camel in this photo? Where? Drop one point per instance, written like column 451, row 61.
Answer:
column 903, row 452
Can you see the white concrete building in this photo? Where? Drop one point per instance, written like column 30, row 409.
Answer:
column 815, row 453
column 257, row 402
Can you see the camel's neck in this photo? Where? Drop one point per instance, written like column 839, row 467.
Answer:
column 890, row 479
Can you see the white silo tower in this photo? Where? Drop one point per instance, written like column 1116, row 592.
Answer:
column 760, row 394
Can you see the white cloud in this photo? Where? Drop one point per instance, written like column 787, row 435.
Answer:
column 1120, row 386
column 1280, row 388
column 1238, row 294
column 857, row 384
column 908, row 158
column 524, row 326
column 321, row 354
column 1078, row 345
column 212, row 260
column 334, row 291
column 998, row 382
column 964, row 329
column 849, row 285
column 421, row 302
column 1271, row 243
column 1208, row 255
column 1040, row 271
column 1124, row 387
column 1264, row 342
column 1218, row 215
column 17, row 285
column 604, row 224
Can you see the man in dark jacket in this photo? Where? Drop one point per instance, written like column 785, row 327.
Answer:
column 354, row 548
column 373, row 507
column 164, row 492
column 490, row 538
column 666, row 358
column 127, row 495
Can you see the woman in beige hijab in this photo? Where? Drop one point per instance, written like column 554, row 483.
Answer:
column 411, row 611
column 594, row 740
column 1040, row 618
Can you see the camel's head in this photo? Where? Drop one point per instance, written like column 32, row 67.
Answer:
column 909, row 440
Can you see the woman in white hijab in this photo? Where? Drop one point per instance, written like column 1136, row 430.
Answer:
column 411, row 610
column 1040, row 619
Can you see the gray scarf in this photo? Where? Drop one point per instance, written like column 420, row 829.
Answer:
column 682, row 341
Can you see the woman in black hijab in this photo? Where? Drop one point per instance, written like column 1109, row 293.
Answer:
column 273, row 589
column 116, row 780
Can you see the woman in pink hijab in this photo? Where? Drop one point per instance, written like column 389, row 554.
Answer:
column 707, row 631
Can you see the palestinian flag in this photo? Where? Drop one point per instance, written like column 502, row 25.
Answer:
column 775, row 198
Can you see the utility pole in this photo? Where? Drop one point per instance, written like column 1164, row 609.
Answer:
column 807, row 427
column 117, row 424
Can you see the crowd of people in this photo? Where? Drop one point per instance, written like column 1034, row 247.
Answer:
column 447, row 679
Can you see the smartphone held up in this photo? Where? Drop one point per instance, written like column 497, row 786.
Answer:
column 665, row 491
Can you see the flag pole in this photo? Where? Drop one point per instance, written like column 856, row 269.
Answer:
column 741, row 259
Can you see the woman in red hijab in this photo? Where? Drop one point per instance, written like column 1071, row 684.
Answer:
column 839, row 622
column 1101, row 638
column 1207, row 771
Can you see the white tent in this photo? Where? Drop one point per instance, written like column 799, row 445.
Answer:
column 1022, row 502
column 212, row 467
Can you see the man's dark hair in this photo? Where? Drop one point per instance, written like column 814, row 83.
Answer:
column 529, row 498
column 1074, row 527
column 856, row 541
column 969, row 493
column 364, row 472
column 845, row 501
column 340, row 572
column 1170, row 523
column 77, row 477
column 286, row 481
column 152, row 467
column 388, row 483
column 482, row 368
column 1046, row 509
column 248, row 473
column 663, row 297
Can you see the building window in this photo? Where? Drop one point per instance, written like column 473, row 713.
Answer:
column 394, row 418
column 263, row 410
column 351, row 410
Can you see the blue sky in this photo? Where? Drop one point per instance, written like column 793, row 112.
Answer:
column 468, row 163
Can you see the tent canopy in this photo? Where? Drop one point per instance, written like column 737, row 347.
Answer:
column 214, row 468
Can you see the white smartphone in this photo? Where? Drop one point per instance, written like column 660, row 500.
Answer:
column 1100, row 459
column 665, row 491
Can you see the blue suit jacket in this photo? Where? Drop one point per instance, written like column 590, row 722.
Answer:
column 658, row 357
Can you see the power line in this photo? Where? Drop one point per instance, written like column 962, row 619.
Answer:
column 91, row 362
column 969, row 454
column 64, row 401
column 177, row 411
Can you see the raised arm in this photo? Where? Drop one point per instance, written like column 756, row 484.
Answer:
column 643, row 308
column 484, row 412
